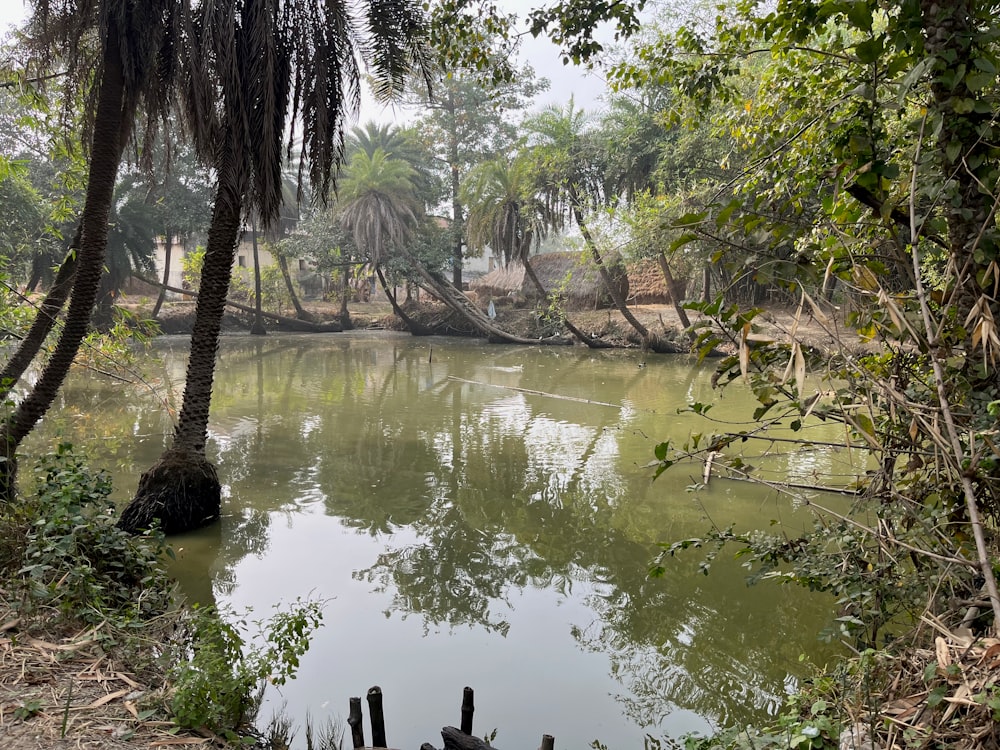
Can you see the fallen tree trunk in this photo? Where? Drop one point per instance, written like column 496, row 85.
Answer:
column 457, row 301
column 292, row 324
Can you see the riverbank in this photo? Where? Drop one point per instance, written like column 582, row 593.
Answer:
column 826, row 334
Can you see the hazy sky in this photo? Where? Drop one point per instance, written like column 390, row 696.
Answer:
column 541, row 53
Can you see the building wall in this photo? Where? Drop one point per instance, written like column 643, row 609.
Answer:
column 242, row 262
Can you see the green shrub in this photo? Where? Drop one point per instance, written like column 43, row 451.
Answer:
column 71, row 554
column 220, row 684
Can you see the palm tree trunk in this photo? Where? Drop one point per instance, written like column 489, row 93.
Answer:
column 458, row 302
column 168, row 248
column 345, row 286
column 257, row 328
column 580, row 335
column 417, row 329
column 674, row 291
column 648, row 339
column 300, row 312
column 182, row 491
column 111, row 124
column 44, row 321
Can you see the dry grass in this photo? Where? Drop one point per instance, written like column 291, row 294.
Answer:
column 937, row 697
column 78, row 690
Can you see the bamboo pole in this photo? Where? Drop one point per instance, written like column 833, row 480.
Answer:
column 376, row 716
column 468, row 708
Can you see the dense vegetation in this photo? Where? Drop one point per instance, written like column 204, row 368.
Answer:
column 837, row 156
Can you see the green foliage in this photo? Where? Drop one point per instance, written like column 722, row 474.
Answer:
column 217, row 687
column 114, row 349
column 67, row 553
column 808, row 721
column 191, row 265
column 379, row 202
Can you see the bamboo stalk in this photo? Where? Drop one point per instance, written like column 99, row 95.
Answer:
column 972, row 505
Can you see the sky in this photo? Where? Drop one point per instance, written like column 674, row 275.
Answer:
column 565, row 80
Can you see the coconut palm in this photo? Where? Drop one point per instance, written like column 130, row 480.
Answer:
column 132, row 42
column 569, row 163
column 249, row 67
column 507, row 215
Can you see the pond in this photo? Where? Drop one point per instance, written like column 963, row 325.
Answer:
column 477, row 515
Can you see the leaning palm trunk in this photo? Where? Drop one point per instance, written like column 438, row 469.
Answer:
column 345, row 288
column 580, row 335
column 168, row 248
column 674, row 290
column 300, row 312
column 257, row 328
column 458, row 302
column 655, row 343
column 417, row 329
column 181, row 491
column 110, row 129
column 45, row 320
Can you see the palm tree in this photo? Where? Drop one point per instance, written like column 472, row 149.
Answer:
column 131, row 248
column 507, row 215
column 569, row 162
column 636, row 136
column 378, row 202
column 44, row 321
column 504, row 212
column 403, row 144
column 379, row 210
column 132, row 40
column 250, row 67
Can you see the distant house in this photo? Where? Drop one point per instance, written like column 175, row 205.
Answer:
column 299, row 269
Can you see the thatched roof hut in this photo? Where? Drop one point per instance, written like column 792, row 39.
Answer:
column 571, row 275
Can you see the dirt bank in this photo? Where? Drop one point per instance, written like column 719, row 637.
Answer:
column 828, row 335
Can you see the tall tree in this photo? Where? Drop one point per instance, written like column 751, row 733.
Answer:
column 379, row 208
column 182, row 197
column 507, row 215
column 251, row 67
column 469, row 119
column 132, row 41
column 131, row 246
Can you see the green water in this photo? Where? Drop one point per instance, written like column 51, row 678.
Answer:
column 472, row 520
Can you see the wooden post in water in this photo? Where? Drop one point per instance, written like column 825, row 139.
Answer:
column 377, row 717
column 548, row 742
column 355, row 723
column 468, row 708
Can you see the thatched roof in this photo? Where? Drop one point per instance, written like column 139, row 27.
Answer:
column 571, row 275
column 500, row 282
column 645, row 283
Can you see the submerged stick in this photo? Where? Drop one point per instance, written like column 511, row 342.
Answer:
column 536, row 393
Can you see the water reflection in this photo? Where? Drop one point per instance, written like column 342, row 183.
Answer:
column 471, row 492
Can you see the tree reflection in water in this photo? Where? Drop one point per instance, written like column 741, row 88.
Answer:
column 474, row 496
